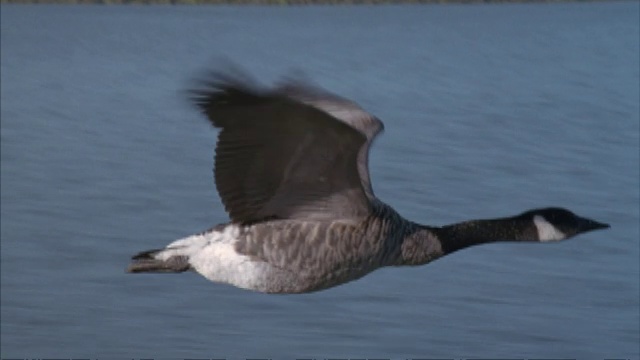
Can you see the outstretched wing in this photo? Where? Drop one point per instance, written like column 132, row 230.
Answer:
column 289, row 153
column 345, row 111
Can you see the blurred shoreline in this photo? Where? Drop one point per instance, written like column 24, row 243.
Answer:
column 284, row 2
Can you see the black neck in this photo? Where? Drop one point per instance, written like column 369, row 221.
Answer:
column 462, row 235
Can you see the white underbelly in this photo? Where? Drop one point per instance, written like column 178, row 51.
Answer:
column 213, row 255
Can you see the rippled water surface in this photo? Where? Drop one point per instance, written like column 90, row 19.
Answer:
column 489, row 110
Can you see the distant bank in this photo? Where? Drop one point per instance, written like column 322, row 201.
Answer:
column 281, row 2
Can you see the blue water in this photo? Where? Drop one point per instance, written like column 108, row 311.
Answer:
column 489, row 110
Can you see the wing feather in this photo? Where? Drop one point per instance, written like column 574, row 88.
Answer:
column 285, row 154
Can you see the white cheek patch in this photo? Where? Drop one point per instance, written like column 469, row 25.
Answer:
column 546, row 231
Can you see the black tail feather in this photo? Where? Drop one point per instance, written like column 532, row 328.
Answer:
column 146, row 254
column 146, row 262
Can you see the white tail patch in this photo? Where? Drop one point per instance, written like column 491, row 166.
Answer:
column 546, row 230
column 214, row 256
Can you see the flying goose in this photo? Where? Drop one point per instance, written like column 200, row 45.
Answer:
column 291, row 167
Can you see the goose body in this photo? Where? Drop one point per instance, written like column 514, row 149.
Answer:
column 291, row 167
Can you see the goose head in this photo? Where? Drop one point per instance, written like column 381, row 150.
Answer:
column 554, row 223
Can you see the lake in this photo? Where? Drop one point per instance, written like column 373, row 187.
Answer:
column 489, row 110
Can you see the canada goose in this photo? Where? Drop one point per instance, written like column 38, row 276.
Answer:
column 291, row 167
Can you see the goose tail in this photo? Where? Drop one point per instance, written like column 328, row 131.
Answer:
column 149, row 262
